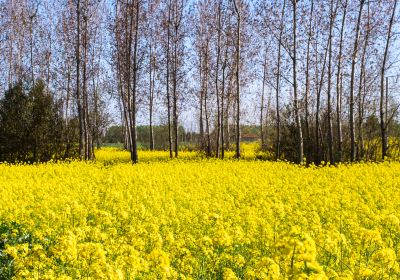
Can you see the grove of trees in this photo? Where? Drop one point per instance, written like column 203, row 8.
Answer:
column 30, row 125
column 319, row 78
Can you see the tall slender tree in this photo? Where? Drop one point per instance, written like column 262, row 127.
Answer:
column 382, row 112
column 352, row 81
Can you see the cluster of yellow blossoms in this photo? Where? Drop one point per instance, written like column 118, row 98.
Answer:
column 197, row 218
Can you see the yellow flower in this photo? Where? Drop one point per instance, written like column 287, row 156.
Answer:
column 197, row 218
column 229, row 274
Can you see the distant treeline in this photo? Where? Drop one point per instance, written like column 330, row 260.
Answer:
column 187, row 139
column 116, row 134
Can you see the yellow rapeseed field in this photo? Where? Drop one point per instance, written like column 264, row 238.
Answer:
column 198, row 218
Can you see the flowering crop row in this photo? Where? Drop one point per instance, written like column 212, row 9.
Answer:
column 198, row 219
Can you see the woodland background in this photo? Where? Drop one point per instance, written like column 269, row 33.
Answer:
column 313, row 81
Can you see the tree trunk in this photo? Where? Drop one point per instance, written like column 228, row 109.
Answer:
column 382, row 113
column 262, row 102
column 278, row 77
column 201, row 125
column 339, row 79
column 134, row 155
column 87, row 146
column 206, row 113
column 237, row 10
column 151, row 97
column 353, row 66
column 222, row 104
column 318, row 130
column 295, row 101
column 307, row 93
column 360, row 97
column 167, row 81
column 31, row 49
column 67, row 134
column 330, row 133
column 218, row 138
column 228, row 105
column 78, row 93
column 175, row 103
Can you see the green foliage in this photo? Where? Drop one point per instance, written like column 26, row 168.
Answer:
column 14, row 123
column 30, row 125
column 11, row 234
column 114, row 134
column 251, row 129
